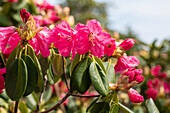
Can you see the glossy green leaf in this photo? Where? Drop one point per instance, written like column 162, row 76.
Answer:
column 23, row 107
column 100, row 107
column 52, row 78
column 124, row 108
column 99, row 79
column 151, row 107
column 99, row 61
column 110, row 72
column 40, row 82
column 57, row 64
column 114, row 108
column 44, row 62
column 16, row 79
column 32, row 74
column 80, row 79
column 13, row 56
column 74, row 63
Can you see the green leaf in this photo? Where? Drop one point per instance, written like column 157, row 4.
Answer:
column 16, row 79
column 13, row 56
column 47, row 94
column 99, row 61
column 151, row 107
column 19, row 5
column 57, row 64
column 92, row 104
column 100, row 107
column 22, row 107
column 32, row 74
column 110, row 72
column 99, row 79
column 80, row 79
column 40, row 82
column 52, row 78
column 44, row 62
column 124, row 108
column 74, row 63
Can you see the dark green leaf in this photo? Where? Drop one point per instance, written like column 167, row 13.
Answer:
column 92, row 104
column 80, row 79
column 101, row 107
column 74, row 63
column 32, row 74
column 52, row 78
column 151, row 107
column 99, row 79
column 40, row 83
column 16, row 79
column 124, row 108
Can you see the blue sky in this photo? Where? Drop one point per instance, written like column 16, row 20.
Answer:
column 149, row 19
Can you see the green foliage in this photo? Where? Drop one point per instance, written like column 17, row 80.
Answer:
column 16, row 79
column 99, row 79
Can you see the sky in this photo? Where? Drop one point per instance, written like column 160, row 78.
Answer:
column 149, row 19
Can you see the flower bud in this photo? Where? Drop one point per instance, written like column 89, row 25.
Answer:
column 127, row 44
column 134, row 96
column 24, row 15
column 139, row 79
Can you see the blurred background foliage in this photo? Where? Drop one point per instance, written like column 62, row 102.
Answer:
column 149, row 55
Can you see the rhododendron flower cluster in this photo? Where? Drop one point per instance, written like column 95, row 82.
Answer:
column 2, row 81
column 89, row 38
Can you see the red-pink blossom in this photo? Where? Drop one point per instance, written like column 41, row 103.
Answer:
column 151, row 93
column 166, row 86
column 5, row 34
column 2, row 81
column 44, row 5
column 64, row 39
column 134, row 96
column 127, row 44
column 12, row 1
column 155, row 83
column 126, row 62
column 24, row 15
column 110, row 48
column 41, row 42
column 162, row 75
column 155, row 70
column 91, row 37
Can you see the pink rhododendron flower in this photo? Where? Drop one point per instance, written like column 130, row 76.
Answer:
column 134, row 96
column 12, row 1
column 153, row 83
column 5, row 34
column 91, row 37
column 44, row 5
column 127, row 44
column 64, row 39
column 110, row 48
column 126, row 62
column 41, row 42
column 162, row 75
column 151, row 93
column 155, row 70
column 2, row 81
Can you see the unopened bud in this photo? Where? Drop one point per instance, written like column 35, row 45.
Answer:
column 127, row 44
column 134, row 96
column 24, row 15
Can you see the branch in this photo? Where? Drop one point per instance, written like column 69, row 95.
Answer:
column 59, row 103
column 84, row 96
column 65, row 76
column 16, row 106
column 41, row 95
